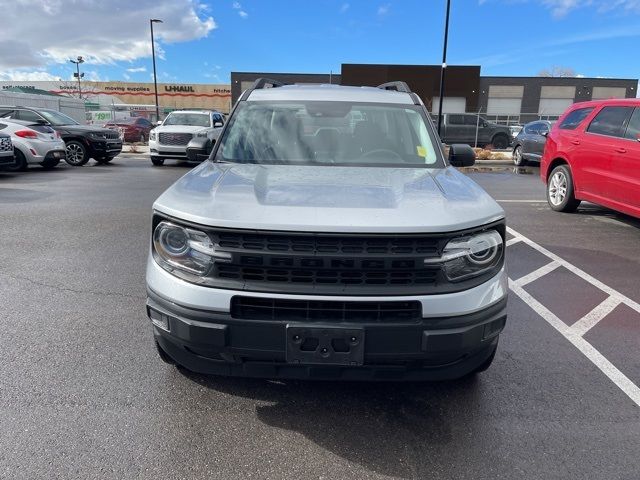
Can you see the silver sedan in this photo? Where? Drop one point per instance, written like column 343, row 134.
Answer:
column 33, row 142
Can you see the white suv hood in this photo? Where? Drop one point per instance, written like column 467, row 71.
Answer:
column 180, row 129
column 329, row 199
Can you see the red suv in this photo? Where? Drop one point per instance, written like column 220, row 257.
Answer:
column 593, row 153
column 136, row 129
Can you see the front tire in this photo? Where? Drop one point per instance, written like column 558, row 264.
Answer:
column 518, row 159
column 500, row 142
column 21, row 162
column 157, row 161
column 50, row 163
column 560, row 190
column 76, row 154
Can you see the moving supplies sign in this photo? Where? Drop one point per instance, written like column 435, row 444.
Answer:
column 209, row 96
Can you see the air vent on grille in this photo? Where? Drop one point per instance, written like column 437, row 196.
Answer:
column 5, row 145
column 250, row 308
column 174, row 138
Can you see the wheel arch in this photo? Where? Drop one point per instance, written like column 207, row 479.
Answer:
column 556, row 162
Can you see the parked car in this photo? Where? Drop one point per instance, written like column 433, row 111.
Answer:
column 461, row 128
column 7, row 159
column 33, row 143
column 515, row 130
column 171, row 137
column 134, row 129
column 593, row 153
column 355, row 253
column 82, row 141
column 529, row 144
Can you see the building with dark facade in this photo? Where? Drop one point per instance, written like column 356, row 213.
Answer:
column 504, row 99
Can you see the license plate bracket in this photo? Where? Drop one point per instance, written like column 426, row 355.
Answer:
column 325, row 345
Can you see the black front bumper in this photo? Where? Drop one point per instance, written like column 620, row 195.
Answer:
column 104, row 148
column 433, row 349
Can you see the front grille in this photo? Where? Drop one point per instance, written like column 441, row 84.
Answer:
column 320, row 244
column 174, row 138
column 6, row 145
column 361, row 277
column 251, row 308
column 327, row 263
column 112, row 135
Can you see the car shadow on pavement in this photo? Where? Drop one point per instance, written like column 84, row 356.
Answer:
column 597, row 211
column 393, row 429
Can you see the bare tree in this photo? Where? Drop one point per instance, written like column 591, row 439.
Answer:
column 557, row 71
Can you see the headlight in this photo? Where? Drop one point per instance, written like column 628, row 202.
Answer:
column 184, row 249
column 470, row 256
column 152, row 135
column 201, row 135
column 97, row 136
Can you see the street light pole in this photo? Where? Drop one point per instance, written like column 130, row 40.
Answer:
column 77, row 74
column 153, row 54
column 444, row 66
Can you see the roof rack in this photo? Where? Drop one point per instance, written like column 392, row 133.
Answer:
column 259, row 84
column 262, row 82
column 396, row 86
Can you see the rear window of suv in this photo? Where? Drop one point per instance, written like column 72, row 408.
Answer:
column 575, row 118
column 610, row 121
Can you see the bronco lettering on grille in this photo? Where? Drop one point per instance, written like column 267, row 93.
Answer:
column 337, row 263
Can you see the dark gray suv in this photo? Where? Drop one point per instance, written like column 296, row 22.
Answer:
column 529, row 143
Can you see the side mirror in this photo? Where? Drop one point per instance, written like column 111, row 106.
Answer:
column 217, row 124
column 461, row 155
column 545, row 133
column 199, row 149
column 158, row 123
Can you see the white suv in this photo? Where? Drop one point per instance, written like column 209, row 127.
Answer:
column 171, row 137
column 328, row 237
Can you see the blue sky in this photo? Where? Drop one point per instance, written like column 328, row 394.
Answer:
column 505, row 37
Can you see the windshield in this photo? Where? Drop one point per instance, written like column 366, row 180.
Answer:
column 57, row 118
column 191, row 119
column 337, row 133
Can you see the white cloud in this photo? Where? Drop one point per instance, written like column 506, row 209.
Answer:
column 102, row 32
column 344, row 7
column 241, row 12
column 383, row 9
column 137, row 69
column 126, row 77
column 34, row 76
column 560, row 8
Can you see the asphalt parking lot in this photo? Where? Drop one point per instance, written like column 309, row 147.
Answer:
column 83, row 394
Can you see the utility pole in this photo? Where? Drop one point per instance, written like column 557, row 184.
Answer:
column 153, row 54
column 77, row 74
column 444, row 65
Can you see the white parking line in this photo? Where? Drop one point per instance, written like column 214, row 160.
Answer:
column 536, row 274
column 590, row 320
column 520, row 201
column 575, row 333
